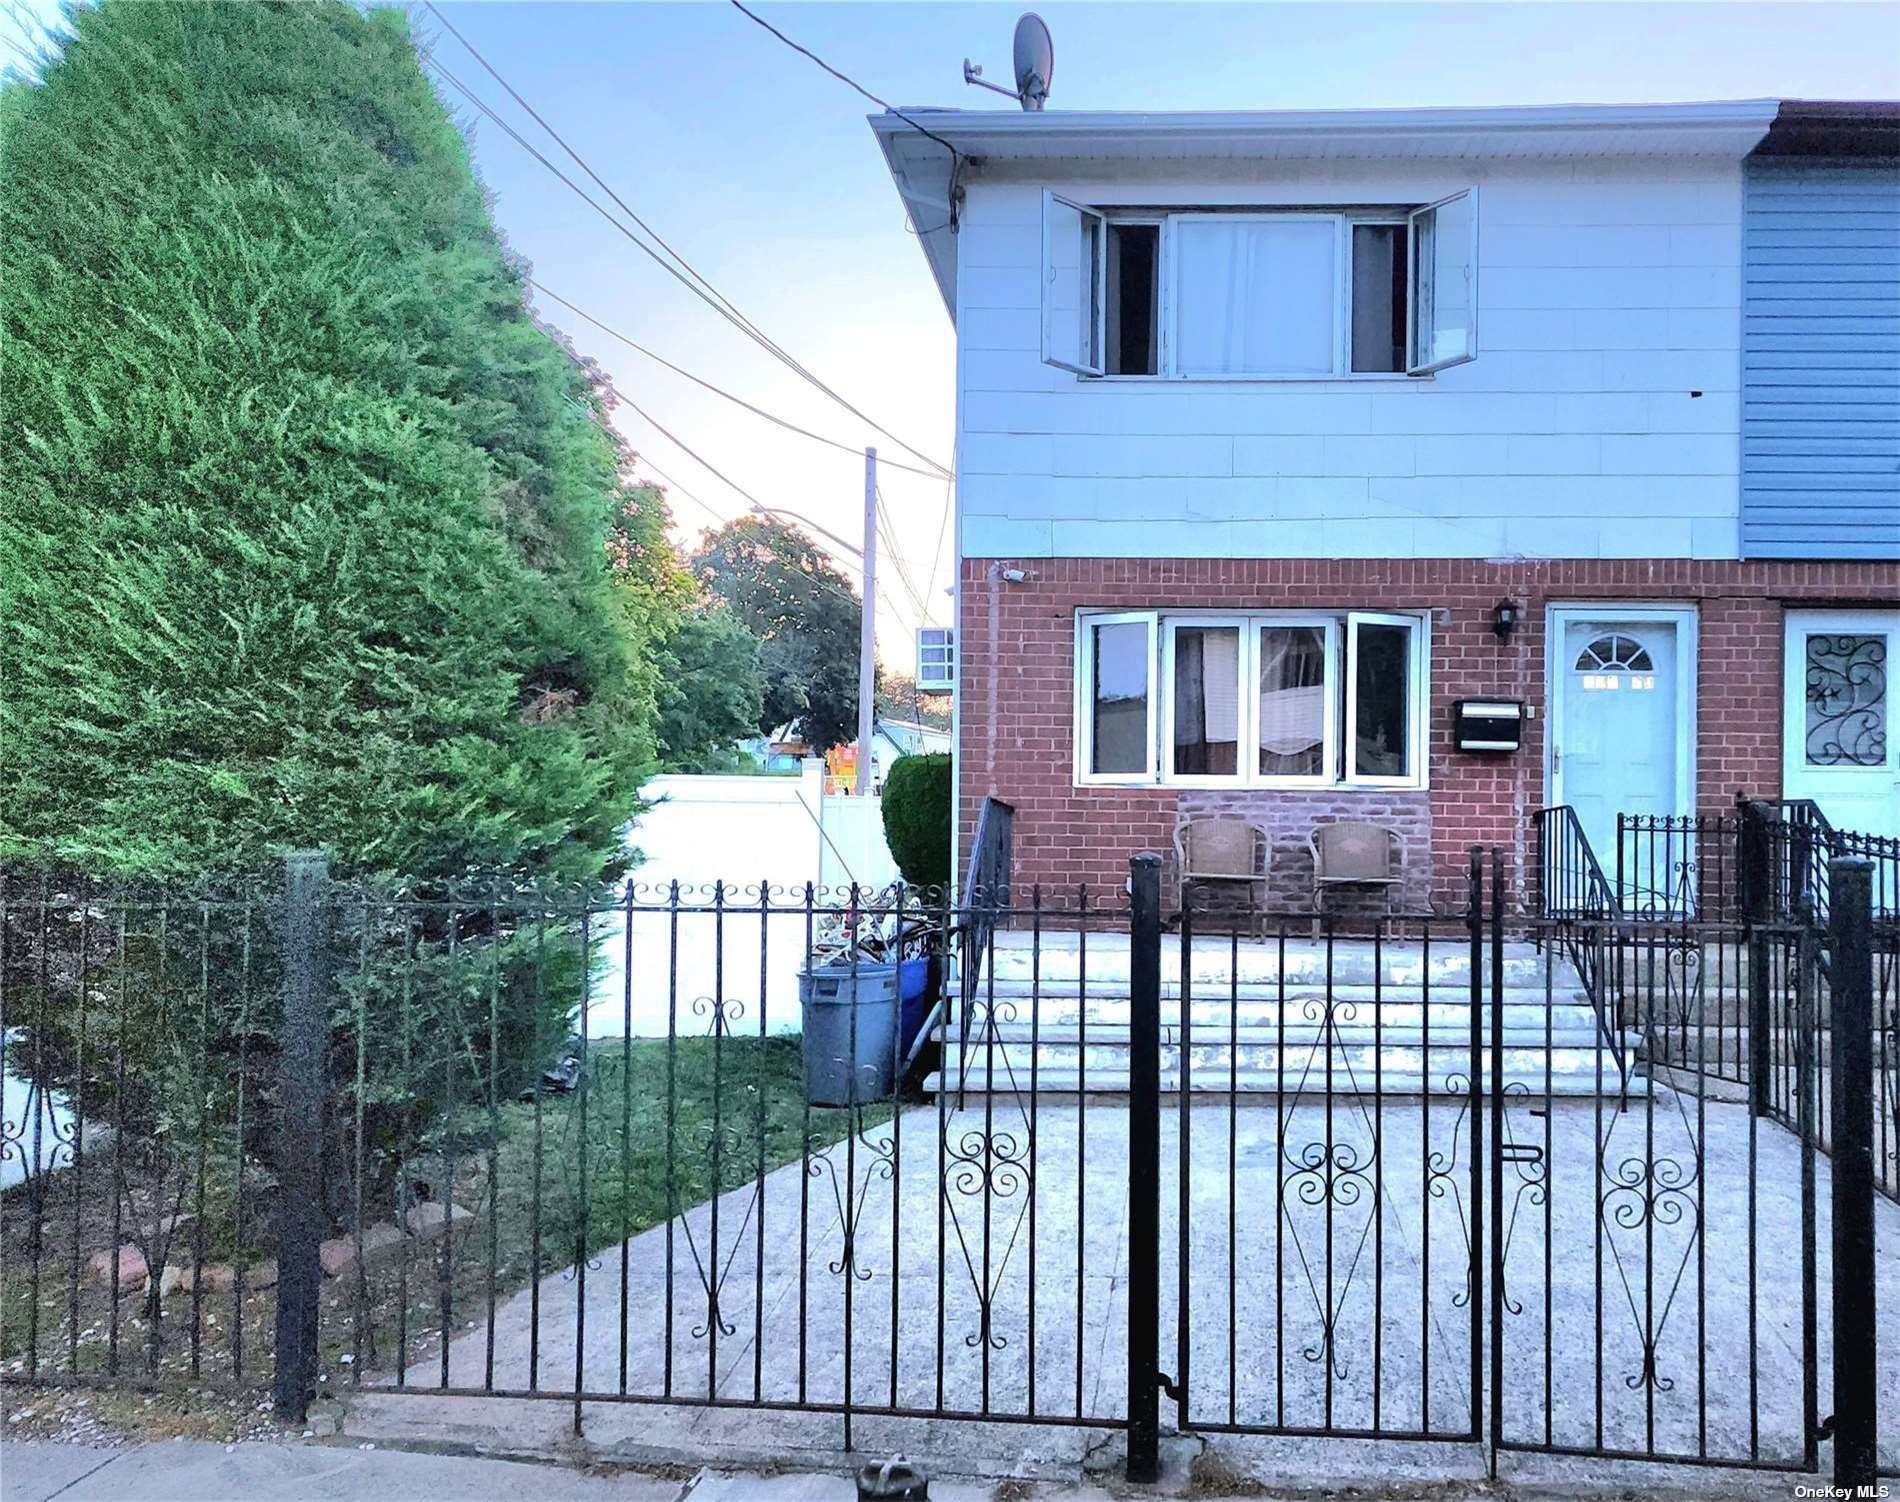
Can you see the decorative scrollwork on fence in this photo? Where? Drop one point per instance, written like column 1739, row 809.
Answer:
column 987, row 1166
column 721, row 1013
column 880, row 1166
column 1641, row 1194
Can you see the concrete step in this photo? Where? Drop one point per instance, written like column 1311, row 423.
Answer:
column 1061, row 956
column 1572, row 1027
column 1225, row 994
column 1451, row 1013
column 1393, row 1082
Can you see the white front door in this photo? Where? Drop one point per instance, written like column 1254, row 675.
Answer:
column 1622, row 689
column 1839, row 745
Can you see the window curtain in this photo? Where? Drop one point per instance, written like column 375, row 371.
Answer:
column 1207, row 701
column 1292, row 701
column 1254, row 296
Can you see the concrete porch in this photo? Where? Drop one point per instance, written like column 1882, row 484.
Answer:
column 1277, row 1016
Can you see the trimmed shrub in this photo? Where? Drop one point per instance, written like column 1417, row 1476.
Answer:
column 917, row 817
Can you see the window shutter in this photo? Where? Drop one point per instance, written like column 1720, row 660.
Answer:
column 1072, row 285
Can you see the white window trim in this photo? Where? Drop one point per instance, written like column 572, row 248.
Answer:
column 1413, row 367
column 1096, row 279
column 1338, row 746
column 1330, row 743
column 1344, row 218
column 1085, row 622
column 1165, row 692
column 1417, row 672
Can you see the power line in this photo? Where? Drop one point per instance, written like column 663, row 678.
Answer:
column 956, row 157
column 689, row 277
column 740, row 401
column 943, row 529
column 888, row 530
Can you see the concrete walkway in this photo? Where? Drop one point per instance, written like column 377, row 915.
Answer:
column 975, row 1262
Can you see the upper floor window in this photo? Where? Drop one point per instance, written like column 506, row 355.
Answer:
column 1235, row 295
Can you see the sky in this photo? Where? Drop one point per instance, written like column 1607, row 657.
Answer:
column 760, row 170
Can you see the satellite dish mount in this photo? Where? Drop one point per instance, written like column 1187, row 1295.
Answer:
column 1035, row 62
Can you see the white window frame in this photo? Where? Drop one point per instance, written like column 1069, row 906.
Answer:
column 1327, row 776
column 1243, row 654
column 940, row 642
column 1085, row 624
column 1417, row 680
column 1166, row 357
column 1413, row 365
column 1342, row 664
column 1095, row 280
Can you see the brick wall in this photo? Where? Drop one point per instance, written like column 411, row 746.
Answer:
column 1016, row 663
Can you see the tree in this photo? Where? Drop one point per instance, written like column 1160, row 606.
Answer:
column 310, row 534
column 712, row 692
column 781, row 587
column 303, row 518
column 898, row 698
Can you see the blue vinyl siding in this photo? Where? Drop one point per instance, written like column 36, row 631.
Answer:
column 1821, row 358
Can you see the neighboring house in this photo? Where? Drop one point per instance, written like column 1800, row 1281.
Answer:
column 894, row 738
column 1268, row 421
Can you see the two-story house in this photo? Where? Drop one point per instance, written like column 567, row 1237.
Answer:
column 1281, row 433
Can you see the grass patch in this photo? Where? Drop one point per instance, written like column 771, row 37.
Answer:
column 588, row 1169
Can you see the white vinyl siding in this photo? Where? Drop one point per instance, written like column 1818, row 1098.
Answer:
column 1602, row 419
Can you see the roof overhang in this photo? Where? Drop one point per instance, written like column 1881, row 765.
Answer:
column 1838, row 128
column 1010, row 143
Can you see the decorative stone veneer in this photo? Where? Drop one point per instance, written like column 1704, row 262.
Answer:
column 1289, row 815
column 1016, row 648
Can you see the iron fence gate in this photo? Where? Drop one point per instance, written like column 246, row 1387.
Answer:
column 1544, row 1185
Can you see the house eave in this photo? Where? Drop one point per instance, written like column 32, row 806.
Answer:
column 1003, row 142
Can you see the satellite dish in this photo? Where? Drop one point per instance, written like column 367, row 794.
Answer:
column 1035, row 61
column 1035, row 64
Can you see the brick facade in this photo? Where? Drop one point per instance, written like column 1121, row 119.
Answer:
column 1016, row 647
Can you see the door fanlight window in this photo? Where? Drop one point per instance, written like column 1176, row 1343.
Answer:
column 1615, row 662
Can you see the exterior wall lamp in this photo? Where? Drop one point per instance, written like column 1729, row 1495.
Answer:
column 1504, row 619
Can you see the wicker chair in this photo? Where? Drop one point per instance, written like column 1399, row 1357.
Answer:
column 1352, row 853
column 1224, row 852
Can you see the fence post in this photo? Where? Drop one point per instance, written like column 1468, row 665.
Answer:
column 303, row 1041
column 1144, row 1168
column 1851, row 1030
column 1752, row 881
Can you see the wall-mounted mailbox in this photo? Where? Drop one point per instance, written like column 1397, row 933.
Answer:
column 1487, row 724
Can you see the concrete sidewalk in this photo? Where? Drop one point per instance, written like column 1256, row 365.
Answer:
column 196, row 1471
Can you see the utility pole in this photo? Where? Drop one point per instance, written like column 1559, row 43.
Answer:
column 867, row 630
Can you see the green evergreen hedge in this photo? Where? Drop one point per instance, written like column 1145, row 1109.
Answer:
column 310, row 535
column 917, row 817
column 303, row 518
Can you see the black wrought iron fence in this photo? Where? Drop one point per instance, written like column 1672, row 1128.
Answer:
column 765, row 1148
column 139, row 1162
column 1677, row 866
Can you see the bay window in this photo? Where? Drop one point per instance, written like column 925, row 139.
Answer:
column 1261, row 699
column 1259, row 294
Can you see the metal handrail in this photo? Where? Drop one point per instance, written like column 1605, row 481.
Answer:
column 1583, row 906
column 1582, row 889
column 985, row 896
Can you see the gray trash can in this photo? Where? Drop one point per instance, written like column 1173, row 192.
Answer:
column 848, row 1063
